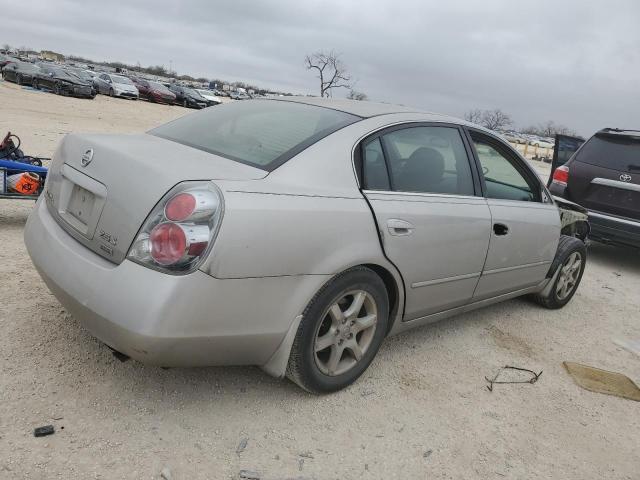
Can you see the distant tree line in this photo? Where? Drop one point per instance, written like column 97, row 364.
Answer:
column 496, row 119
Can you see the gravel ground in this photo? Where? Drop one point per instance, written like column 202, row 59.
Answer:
column 421, row 410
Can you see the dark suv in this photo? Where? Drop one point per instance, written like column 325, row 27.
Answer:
column 604, row 177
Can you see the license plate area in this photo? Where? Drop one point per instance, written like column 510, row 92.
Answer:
column 81, row 201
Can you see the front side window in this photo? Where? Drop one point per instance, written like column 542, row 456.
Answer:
column 503, row 180
column 428, row 160
column 260, row 133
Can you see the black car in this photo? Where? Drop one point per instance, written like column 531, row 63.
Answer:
column 603, row 175
column 19, row 72
column 62, row 82
column 188, row 97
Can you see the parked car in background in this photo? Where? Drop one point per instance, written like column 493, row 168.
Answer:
column 603, row 175
column 188, row 97
column 115, row 86
column 62, row 82
column 209, row 97
column 512, row 136
column 86, row 75
column 239, row 96
column 244, row 240
column 19, row 72
column 154, row 91
column 4, row 59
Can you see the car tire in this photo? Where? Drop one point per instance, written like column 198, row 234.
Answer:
column 185, row 104
column 111, row 92
column 34, row 84
column 56, row 89
column 19, row 79
column 350, row 315
column 569, row 264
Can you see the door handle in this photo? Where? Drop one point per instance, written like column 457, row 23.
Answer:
column 399, row 227
column 500, row 229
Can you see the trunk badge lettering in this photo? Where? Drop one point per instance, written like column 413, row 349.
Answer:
column 87, row 157
column 107, row 237
column 625, row 177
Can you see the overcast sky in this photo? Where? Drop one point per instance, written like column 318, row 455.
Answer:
column 574, row 61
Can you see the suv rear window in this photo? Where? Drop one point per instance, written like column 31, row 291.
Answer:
column 614, row 151
column 261, row 133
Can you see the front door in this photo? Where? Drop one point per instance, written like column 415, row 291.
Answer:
column 422, row 189
column 525, row 224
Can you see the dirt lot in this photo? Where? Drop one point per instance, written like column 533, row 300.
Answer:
column 421, row 410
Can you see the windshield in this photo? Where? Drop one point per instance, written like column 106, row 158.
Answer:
column 159, row 86
column 28, row 67
column 205, row 92
column 121, row 80
column 614, row 151
column 261, row 133
column 80, row 74
column 191, row 92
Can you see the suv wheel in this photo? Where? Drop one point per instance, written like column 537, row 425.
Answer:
column 571, row 258
column 340, row 333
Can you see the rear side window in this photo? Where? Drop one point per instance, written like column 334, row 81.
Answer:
column 260, row 133
column 428, row 160
column 375, row 169
column 616, row 152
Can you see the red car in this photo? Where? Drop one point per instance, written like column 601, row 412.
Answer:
column 154, row 91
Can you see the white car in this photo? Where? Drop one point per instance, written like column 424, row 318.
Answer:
column 115, row 86
column 209, row 97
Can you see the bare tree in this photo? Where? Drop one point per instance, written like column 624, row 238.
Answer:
column 549, row 129
column 495, row 119
column 354, row 95
column 331, row 71
column 492, row 119
column 473, row 116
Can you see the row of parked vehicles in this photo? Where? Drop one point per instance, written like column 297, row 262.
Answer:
column 528, row 139
column 77, row 82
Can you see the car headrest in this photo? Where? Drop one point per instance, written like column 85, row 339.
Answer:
column 423, row 169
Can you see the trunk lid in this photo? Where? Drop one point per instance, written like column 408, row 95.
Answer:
column 101, row 188
column 605, row 175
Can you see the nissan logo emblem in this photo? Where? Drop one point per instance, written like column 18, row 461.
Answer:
column 87, row 157
column 625, row 177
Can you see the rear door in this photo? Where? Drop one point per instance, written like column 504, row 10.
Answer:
column 604, row 175
column 422, row 188
column 525, row 224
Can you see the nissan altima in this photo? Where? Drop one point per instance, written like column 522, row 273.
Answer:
column 294, row 234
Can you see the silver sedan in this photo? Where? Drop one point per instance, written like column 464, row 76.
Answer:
column 294, row 234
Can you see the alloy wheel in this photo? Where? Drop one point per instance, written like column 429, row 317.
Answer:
column 569, row 274
column 345, row 332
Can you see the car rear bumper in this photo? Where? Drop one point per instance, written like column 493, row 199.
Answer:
column 611, row 229
column 161, row 319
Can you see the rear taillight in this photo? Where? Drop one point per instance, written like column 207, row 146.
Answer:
column 561, row 175
column 180, row 230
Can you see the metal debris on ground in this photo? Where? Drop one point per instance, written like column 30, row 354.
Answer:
column 43, row 431
column 495, row 380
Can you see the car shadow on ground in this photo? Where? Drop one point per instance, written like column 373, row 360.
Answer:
column 614, row 257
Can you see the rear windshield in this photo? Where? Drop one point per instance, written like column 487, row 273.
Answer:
column 261, row 133
column 616, row 152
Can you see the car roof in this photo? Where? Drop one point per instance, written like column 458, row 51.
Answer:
column 363, row 109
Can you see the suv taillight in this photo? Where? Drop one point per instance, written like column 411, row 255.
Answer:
column 561, row 176
column 180, row 230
